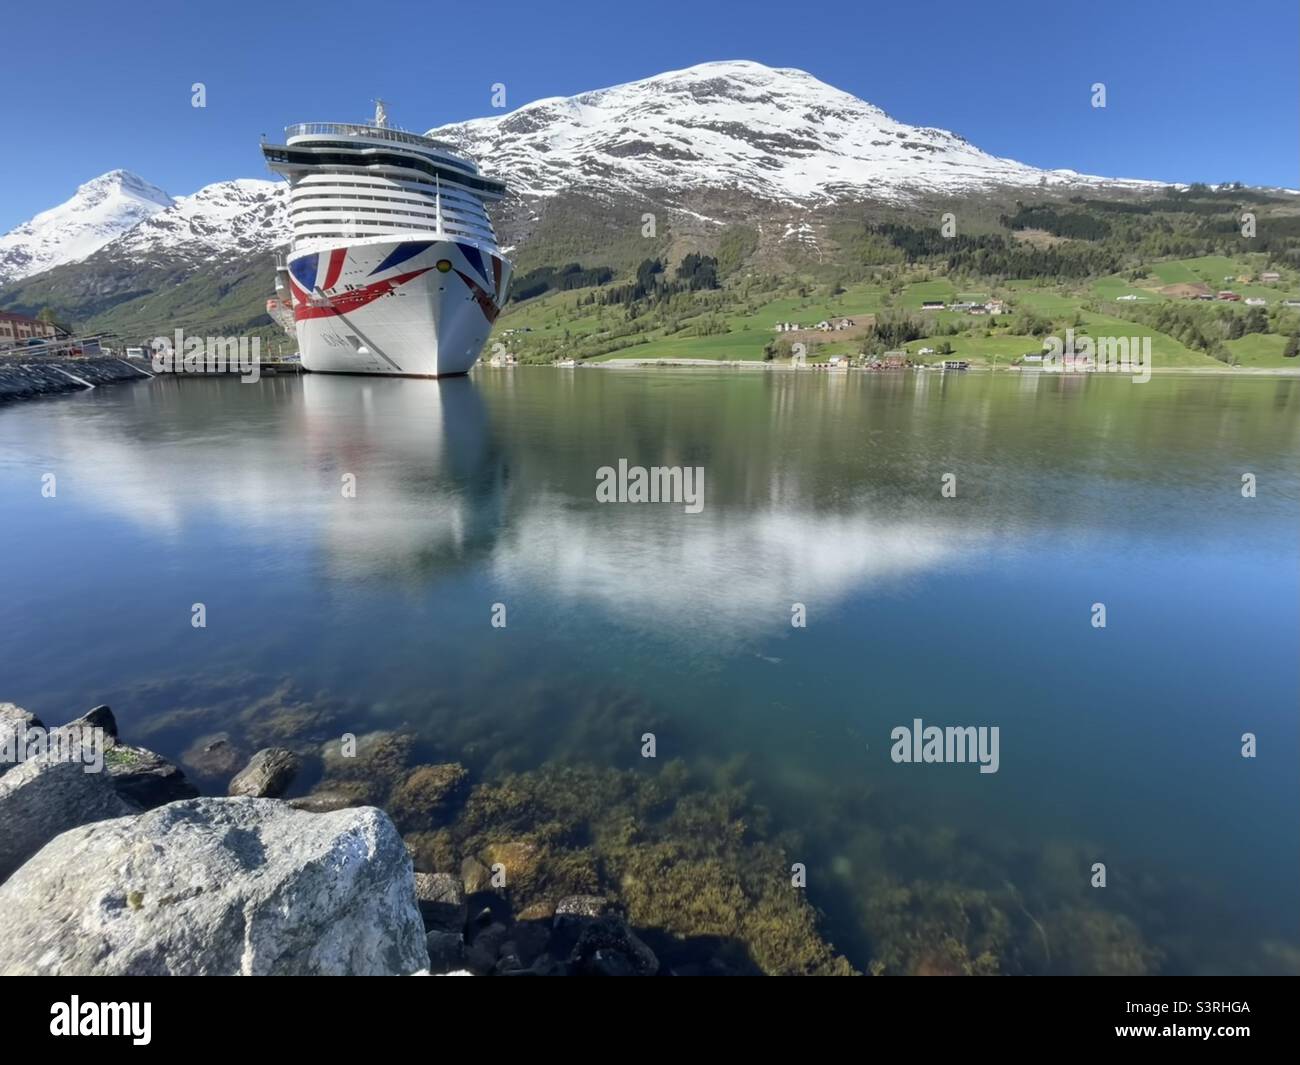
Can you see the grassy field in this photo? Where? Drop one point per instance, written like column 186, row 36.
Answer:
column 1261, row 350
column 738, row 322
column 1216, row 272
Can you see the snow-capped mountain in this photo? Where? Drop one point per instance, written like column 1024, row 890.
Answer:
column 776, row 134
column 97, row 213
column 246, row 215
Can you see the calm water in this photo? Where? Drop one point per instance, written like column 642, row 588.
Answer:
column 1119, row 745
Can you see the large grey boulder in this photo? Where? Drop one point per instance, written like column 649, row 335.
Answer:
column 45, row 796
column 217, row 886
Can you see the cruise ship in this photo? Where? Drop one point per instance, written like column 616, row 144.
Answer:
column 394, row 266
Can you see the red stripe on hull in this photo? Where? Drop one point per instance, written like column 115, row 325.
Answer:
column 337, row 257
column 490, row 309
column 347, row 302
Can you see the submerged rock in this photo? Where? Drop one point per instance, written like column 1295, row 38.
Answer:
column 579, row 908
column 217, row 886
column 331, row 795
column 214, row 755
column 268, row 774
column 475, row 876
column 432, row 852
column 537, row 911
column 379, row 755
column 608, row 947
column 45, row 796
column 426, row 793
column 519, row 859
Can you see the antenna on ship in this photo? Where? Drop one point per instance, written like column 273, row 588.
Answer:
column 381, row 114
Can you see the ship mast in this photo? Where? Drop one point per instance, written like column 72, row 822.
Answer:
column 381, row 114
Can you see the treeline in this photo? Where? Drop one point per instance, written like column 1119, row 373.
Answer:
column 1075, row 225
column 1195, row 199
column 693, row 274
column 992, row 255
column 558, row 279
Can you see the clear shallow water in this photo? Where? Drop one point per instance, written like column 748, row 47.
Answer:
column 1119, row 745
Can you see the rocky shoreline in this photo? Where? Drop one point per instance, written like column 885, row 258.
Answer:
column 55, row 377
column 126, row 870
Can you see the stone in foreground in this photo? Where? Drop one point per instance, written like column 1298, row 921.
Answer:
column 45, row 796
column 208, row 886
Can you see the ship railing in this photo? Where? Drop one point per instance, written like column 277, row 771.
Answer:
column 351, row 129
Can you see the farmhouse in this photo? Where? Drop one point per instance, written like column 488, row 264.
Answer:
column 1256, row 301
column 1229, row 297
column 932, row 305
column 1269, row 276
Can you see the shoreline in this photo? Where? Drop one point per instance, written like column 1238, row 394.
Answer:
column 757, row 364
column 59, row 377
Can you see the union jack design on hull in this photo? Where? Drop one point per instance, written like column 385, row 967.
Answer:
column 418, row 307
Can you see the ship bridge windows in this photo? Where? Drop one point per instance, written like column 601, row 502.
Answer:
column 366, row 159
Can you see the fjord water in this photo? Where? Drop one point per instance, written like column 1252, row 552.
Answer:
column 1120, row 745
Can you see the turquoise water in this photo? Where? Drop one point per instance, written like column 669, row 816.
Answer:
column 1119, row 745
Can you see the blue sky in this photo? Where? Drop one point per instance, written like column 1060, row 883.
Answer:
column 1197, row 91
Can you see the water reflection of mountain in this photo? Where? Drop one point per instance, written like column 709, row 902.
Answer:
column 813, row 487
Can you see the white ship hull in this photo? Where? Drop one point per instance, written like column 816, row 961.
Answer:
column 418, row 307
